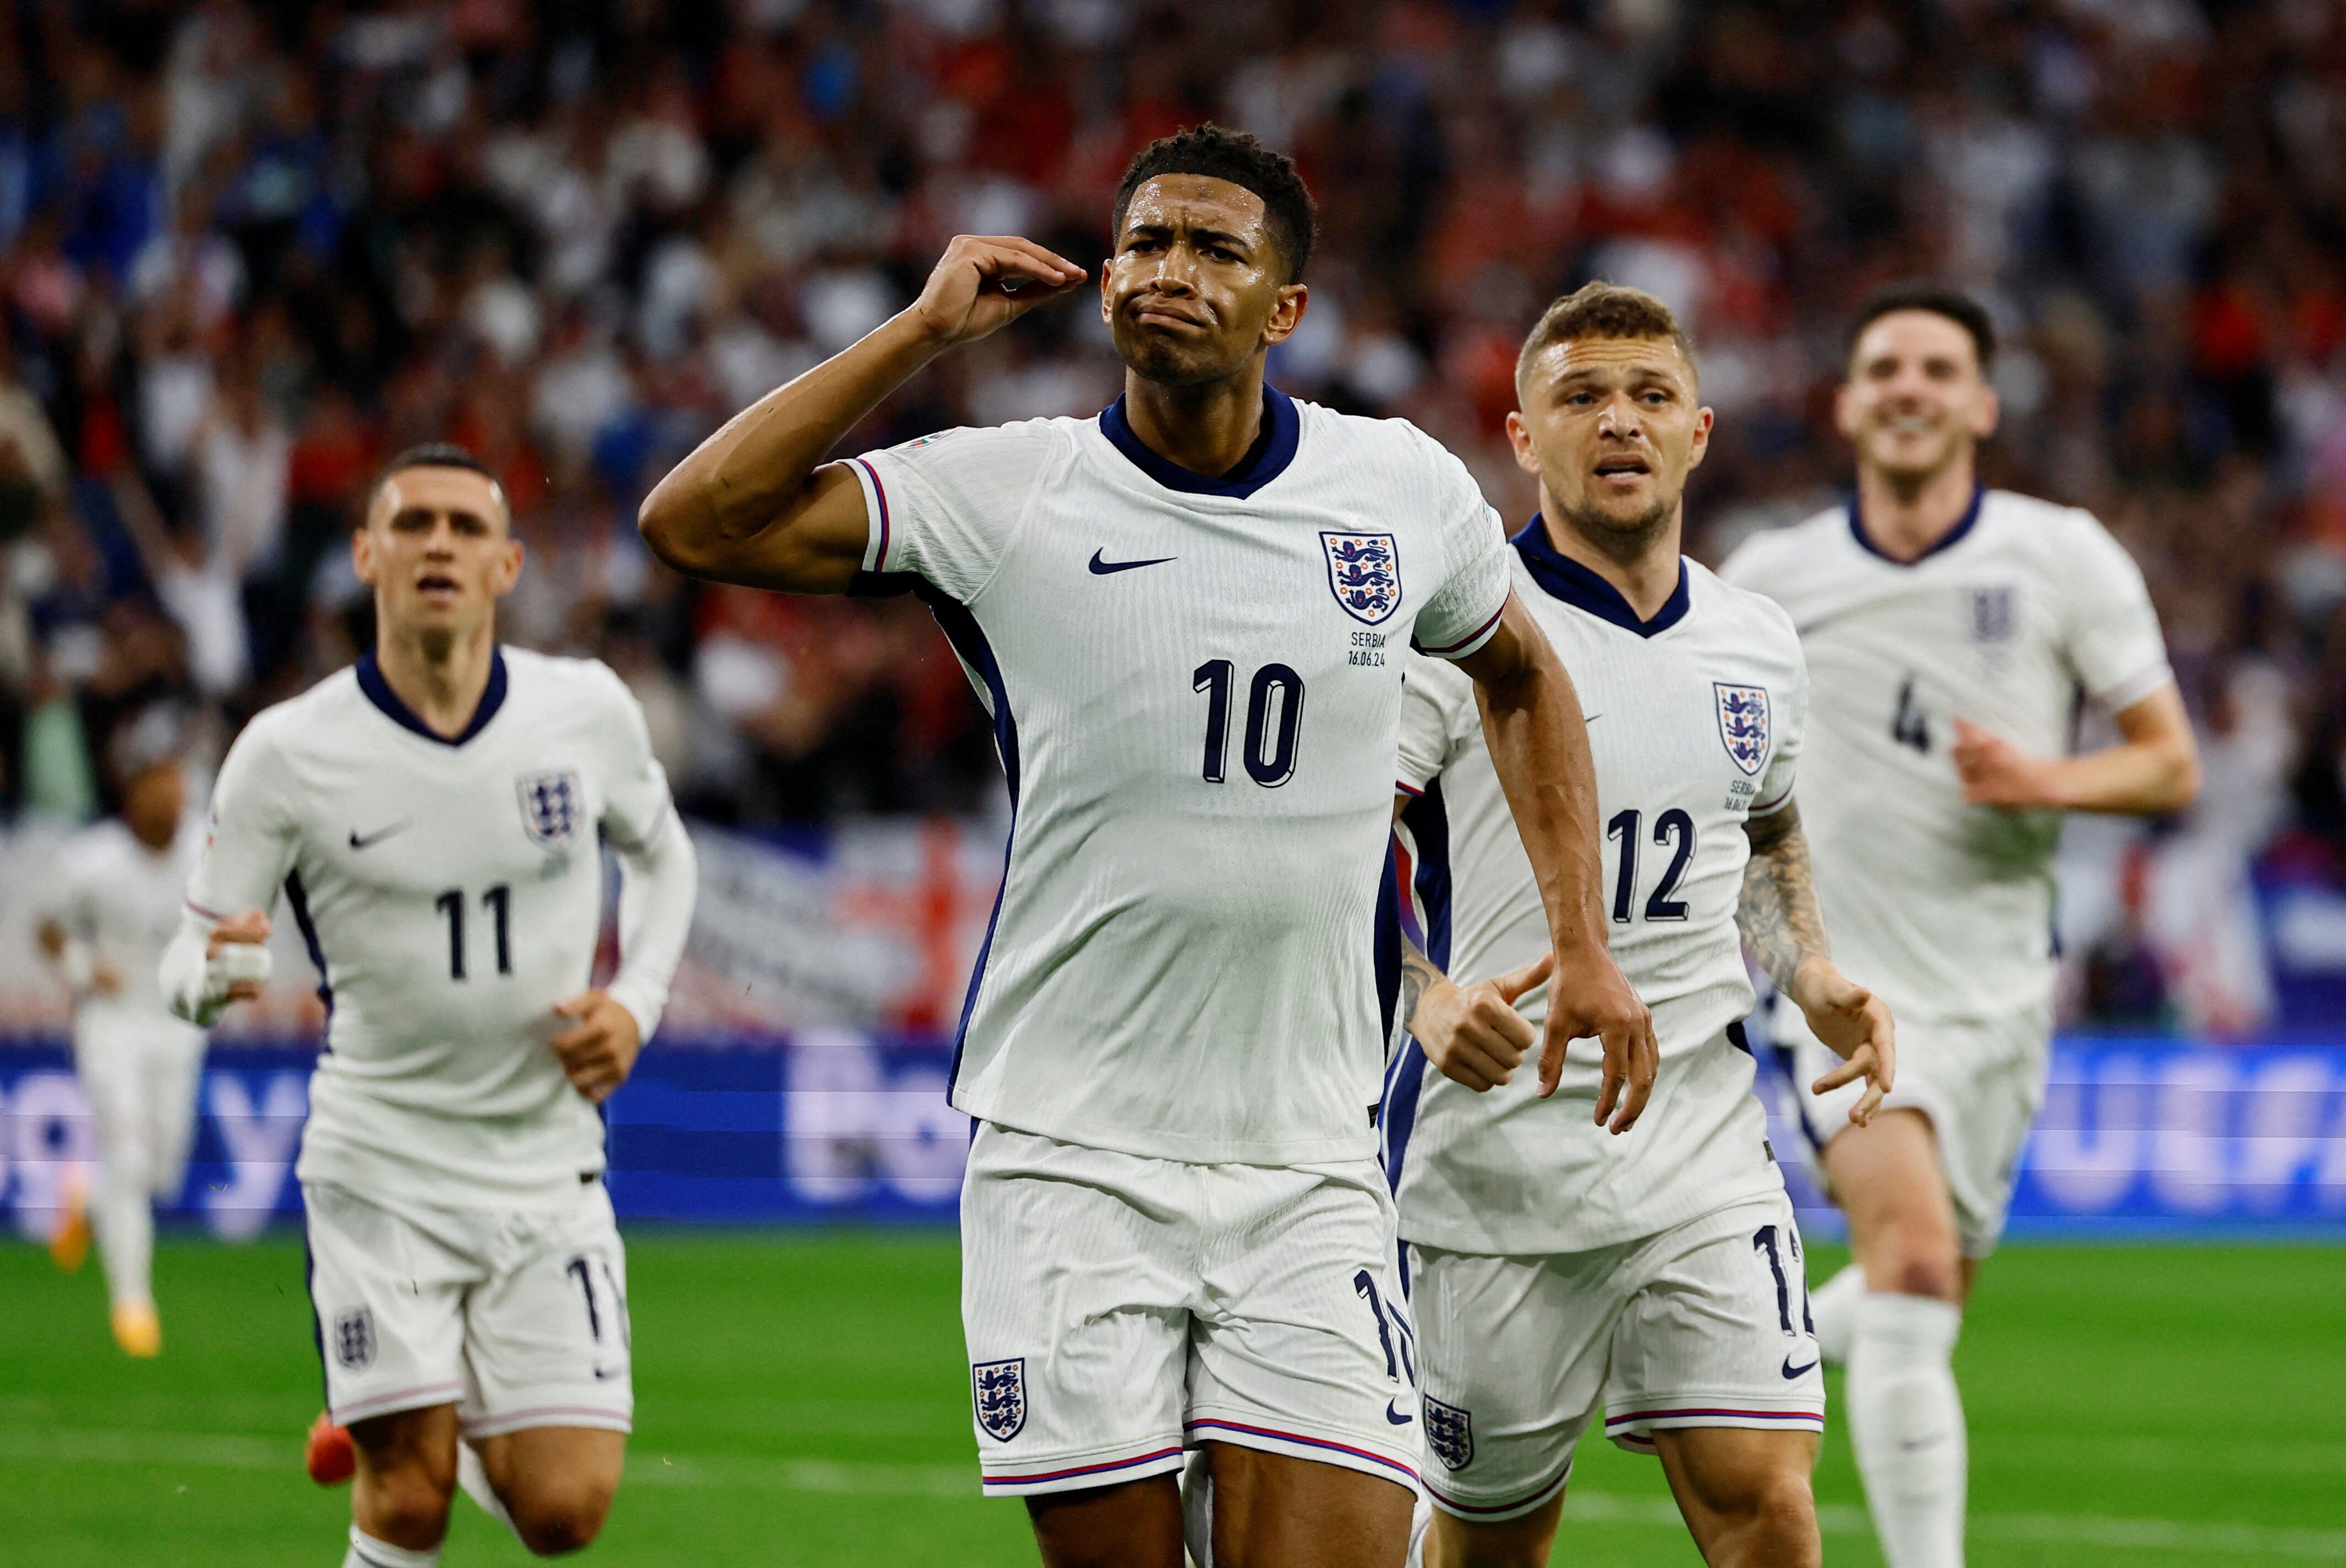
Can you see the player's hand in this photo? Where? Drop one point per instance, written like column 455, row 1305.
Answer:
column 599, row 1050
column 107, row 981
column 1587, row 998
column 983, row 283
column 1473, row 1033
column 1995, row 773
column 1856, row 1025
column 249, row 929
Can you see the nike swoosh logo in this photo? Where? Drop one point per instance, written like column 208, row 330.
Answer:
column 1398, row 1418
column 1792, row 1371
column 603, row 1374
column 360, row 842
column 1102, row 568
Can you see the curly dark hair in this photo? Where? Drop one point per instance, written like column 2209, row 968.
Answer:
column 1937, row 299
column 1220, row 153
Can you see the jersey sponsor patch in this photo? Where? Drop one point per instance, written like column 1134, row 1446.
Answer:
column 1743, row 724
column 1364, row 573
column 1000, row 1390
column 1450, row 1433
column 552, row 805
column 354, row 1338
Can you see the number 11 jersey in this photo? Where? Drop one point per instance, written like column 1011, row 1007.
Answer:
column 450, row 892
column 1195, row 686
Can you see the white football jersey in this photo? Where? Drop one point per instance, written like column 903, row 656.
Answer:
column 1695, row 720
column 122, row 898
column 1946, row 909
column 1196, row 690
column 450, row 892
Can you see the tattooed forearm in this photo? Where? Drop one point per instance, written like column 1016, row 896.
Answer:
column 1778, row 915
column 1417, row 973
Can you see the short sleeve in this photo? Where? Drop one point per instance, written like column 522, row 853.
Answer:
column 2110, row 631
column 636, row 801
column 1463, row 612
column 1437, row 702
column 947, row 506
column 253, row 839
column 1791, row 726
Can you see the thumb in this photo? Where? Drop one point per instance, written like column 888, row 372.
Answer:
column 1515, row 981
column 576, row 1007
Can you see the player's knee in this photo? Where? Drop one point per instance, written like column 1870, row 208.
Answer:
column 1779, row 1524
column 1929, row 1269
column 407, row 1506
column 553, row 1517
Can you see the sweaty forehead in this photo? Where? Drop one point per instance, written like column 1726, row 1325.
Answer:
column 441, row 490
column 1198, row 201
column 1917, row 335
column 1611, row 359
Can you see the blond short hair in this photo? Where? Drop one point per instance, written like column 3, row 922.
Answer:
column 1601, row 310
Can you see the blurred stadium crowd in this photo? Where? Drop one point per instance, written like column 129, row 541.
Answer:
column 246, row 249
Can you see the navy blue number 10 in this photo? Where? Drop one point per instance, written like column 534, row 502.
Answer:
column 1271, row 737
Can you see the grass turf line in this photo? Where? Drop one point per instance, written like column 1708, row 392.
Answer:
column 802, row 1400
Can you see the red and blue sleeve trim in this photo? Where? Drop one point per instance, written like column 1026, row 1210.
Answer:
column 1472, row 640
column 880, row 491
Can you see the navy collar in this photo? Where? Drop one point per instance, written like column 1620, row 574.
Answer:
column 1947, row 541
column 378, row 691
column 1567, row 580
column 1265, row 460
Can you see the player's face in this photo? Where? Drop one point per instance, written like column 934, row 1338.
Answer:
column 1196, row 288
column 1612, row 427
column 1915, row 401
column 438, row 551
column 152, row 801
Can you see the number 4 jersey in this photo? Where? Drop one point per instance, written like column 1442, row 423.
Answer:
column 450, row 892
column 1693, row 722
column 1196, row 688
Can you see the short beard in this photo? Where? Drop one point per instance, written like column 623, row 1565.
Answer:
column 1623, row 542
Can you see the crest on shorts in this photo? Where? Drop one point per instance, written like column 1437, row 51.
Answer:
column 1992, row 617
column 1743, row 724
column 1364, row 573
column 1450, row 1433
column 1000, row 1390
column 354, row 1338
column 551, row 806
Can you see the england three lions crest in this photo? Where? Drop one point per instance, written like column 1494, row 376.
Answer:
column 1450, row 1433
column 1364, row 573
column 999, row 1389
column 1743, row 724
column 552, row 807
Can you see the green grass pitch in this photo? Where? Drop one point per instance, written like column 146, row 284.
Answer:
column 802, row 1400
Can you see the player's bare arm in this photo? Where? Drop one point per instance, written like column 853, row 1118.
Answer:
column 1538, row 741
column 1785, row 929
column 753, row 504
column 2153, row 770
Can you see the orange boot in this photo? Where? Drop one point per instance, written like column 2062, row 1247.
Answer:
column 327, row 1453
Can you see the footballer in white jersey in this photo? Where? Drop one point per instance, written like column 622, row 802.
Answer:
column 112, row 905
column 1188, row 619
column 439, row 844
column 1950, row 633
column 1668, row 1283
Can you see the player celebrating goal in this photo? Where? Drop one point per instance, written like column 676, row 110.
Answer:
column 1949, row 631
column 118, row 890
column 1552, row 1267
column 1187, row 618
column 432, row 816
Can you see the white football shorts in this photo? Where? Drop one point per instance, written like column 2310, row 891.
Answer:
column 1980, row 1081
column 1705, row 1325
column 1121, row 1309
column 516, row 1317
column 141, row 1086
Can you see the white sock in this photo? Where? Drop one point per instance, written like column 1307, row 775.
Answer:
column 366, row 1552
column 124, row 1224
column 473, row 1477
column 1832, row 1307
column 1421, row 1522
column 1906, row 1423
column 1198, row 1509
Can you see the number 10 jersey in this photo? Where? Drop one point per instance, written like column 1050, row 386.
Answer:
column 1195, row 686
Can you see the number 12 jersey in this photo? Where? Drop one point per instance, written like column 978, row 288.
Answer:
column 1195, row 686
